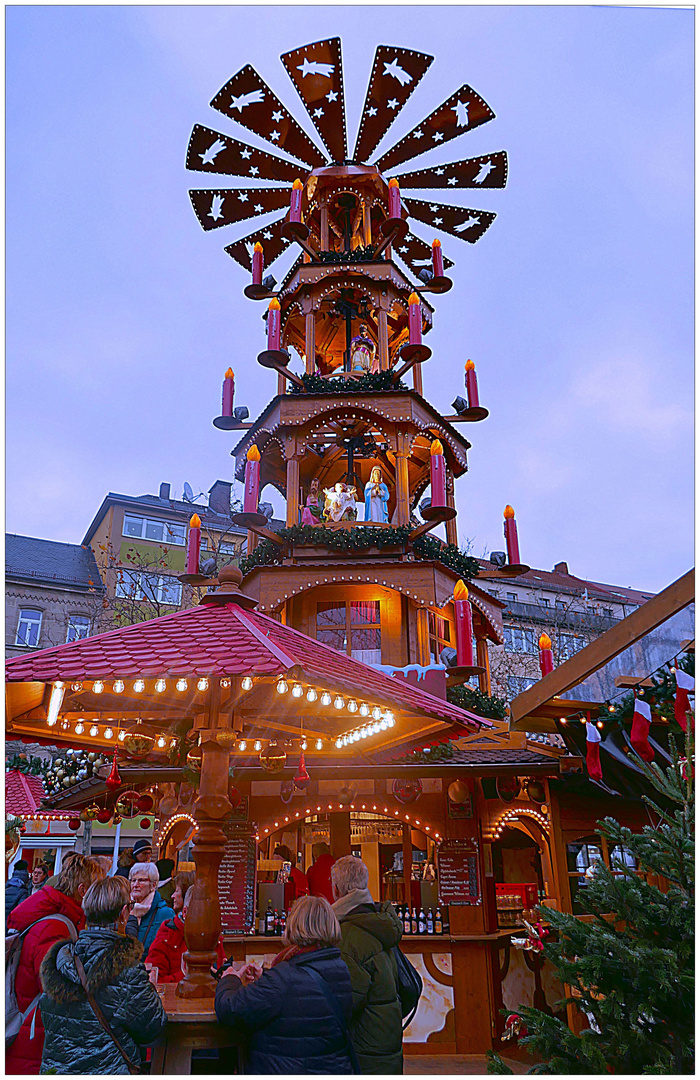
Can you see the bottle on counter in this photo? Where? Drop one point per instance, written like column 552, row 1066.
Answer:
column 414, row 922
column 438, row 919
column 429, row 923
column 269, row 920
column 446, row 919
column 421, row 922
column 283, row 922
column 406, row 920
column 261, row 923
column 276, row 923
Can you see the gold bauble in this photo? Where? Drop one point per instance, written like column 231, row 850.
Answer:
column 273, row 758
column 194, row 759
column 227, row 739
column 138, row 741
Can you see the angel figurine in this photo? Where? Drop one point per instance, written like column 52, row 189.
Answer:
column 311, row 514
column 340, row 503
column 362, row 352
column 376, row 497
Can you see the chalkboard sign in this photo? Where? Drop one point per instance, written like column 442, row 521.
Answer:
column 458, row 872
column 237, row 878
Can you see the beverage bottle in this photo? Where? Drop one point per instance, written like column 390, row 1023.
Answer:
column 438, row 920
column 429, row 924
column 269, row 920
column 446, row 919
column 261, row 923
column 276, row 923
column 283, row 922
column 406, row 920
column 421, row 921
column 414, row 922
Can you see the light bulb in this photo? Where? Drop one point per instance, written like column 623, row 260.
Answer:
column 203, row 684
column 160, row 685
column 339, row 743
column 79, row 728
column 161, row 742
column 94, row 730
column 246, row 683
column 363, row 733
column 303, row 744
column 118, row 686
column 319, row 744
column 364, row 710
column 376, row 728
column 325, row 698
column 173, row 744
column 181, row 685
column 108, row 733
column 97, row 687
column 311, row 694
column 352, row 706
column 339, row 702
column 224, row 683
column 383, row 725
column 65, row 725
column 282, row 687
column 389, row 717
column 297, row 690
column 257, row 744
column 76, row 686
column 376, row 713
column 139, row 686
column 243, row 745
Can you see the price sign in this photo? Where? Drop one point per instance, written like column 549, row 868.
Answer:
column 237, row 878
column 458, row 872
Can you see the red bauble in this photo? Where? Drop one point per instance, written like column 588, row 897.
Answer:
column 104, row 816
column 234, row 796
column 145, row 823
column 114, row 780
column 144, row 804
column 74, row 824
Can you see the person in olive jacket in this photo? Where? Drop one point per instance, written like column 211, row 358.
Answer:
column 75, row 1041
column 369, row 933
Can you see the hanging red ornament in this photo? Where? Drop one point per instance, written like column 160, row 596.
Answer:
column 145, row 823
column 302, row 778
column 114, row 780
column 639, row 735
column 593, row 752
column 104, row 816
column 234, row 796
column 144, row 804
column 685, row 685
column 74, row 824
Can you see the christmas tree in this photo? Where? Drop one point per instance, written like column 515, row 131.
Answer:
column 631, row 969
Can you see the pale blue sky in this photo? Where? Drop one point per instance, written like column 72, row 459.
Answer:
column 576, row 306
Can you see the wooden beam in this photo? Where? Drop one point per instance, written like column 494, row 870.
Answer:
column 605, row 648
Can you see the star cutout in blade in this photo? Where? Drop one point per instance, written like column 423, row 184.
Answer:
column 393, row 104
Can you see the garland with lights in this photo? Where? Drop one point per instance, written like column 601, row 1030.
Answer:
column 372, row 382
column 30, row 766
column 471, row 699
column 660, row 696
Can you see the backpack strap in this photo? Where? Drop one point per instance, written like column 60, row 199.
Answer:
column 335, row 1006
column 133, row 1069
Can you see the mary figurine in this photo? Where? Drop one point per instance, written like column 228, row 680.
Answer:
column 376, row 497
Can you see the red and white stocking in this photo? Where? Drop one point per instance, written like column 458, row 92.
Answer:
column 639, row 737
column 685, row 684
column 593, row 752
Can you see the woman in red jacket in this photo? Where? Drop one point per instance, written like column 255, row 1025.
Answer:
column 296, row 884
column 169, row 945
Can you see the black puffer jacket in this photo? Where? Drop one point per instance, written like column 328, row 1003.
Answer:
column 292, row 1027
column 74, row 1040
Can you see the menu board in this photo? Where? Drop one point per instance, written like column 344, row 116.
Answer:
column 237, row 878
column 458, row 872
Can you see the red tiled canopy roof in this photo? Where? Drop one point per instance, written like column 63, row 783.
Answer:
column 23, row 793
column 224, row 639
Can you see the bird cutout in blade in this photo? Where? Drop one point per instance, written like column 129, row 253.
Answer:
column 460, row 221
column 387, row 94
column 222, row 207
column 463, row 111
column 210, row 151
column 488, row 171
column 317, row 73
column 416, row 254
column 248, row 100
column 270, row 236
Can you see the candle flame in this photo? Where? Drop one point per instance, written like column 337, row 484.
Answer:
column 436, row 244
column 469, row 366
column 195, row 521
column 257, row 247
column 297, row 185
column 461, row 591
column 393, row 182
column 509, row 512
column 545, row 641
column 229, row 373
column 414, row 298
column 253, row 454
column 274, row 304
column 436, row 447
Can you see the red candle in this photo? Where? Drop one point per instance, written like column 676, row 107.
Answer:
column 546, row 660
column 194, row 538
column 295, row 202
column 227, row 395
column 438, row 267
column 463, row 626
column 510, row 530
column 470, row 383
column 414, row 320
column 438, row 484
column 258, row 263
column 274, row 326
column 394, row 199
column 251, row 483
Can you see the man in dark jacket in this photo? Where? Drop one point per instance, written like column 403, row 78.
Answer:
column 369, row 933
column 17, row 887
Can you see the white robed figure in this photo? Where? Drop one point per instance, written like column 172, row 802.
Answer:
column 376, row 497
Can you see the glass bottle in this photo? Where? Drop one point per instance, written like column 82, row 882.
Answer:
column 429, row 924
column 421, row 922
column 269, row 920
column 406, row 920
column 438, row 919
column 414, row 922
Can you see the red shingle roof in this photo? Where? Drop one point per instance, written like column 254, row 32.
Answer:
column 22, row 793
column 223, row 639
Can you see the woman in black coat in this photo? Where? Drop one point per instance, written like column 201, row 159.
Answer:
column 75, row 1041
column 295, row 1014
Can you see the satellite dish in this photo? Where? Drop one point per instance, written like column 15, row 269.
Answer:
column 188, row 494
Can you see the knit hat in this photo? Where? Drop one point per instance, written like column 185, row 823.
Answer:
column 141, row 845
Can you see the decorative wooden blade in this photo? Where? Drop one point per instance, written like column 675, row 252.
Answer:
column 461, row 112
column 417, row 254
column 317, row 73
column 395, row 75
column 248, row 100
column 274, row 245
column 488, row 171
column 466, row 224
column 210, row 151
column 223, row 206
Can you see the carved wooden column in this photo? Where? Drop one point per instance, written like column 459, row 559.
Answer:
column 418, row 378
column 403, row 451
column 451, row 526
column 203, row 924
column 325, row 245
column 482, row 659
column 292, row 482
column 366, row 220
column 383, row 332
column 281, row 384
column 310, row 342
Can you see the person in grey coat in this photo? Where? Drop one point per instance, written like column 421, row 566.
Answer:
column 74, row 1040
column 17, row 888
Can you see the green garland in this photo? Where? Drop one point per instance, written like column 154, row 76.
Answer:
column 13, row 824
column 471, row 699
column 357, row 255
column 371, row 382
column 30, row 766
column 430, row 548
column 436, row 754
column 660, row 696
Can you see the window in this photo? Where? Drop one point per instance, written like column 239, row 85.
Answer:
column 608, row 611
column 28, row 628
column 581, row 859
column 353, row 628
column 559, row 604
column 166, row 532
column 440, row 636
column 518, row 686
column 545, row 602
column 519, row 639
column 141, row 585
column 78, row 627
column 227, row 548
column 493, row 592
column 511, row 596
column 568, row 645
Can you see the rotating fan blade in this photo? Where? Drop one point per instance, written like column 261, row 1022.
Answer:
column 395, row 75
column 417, row 254
column 221, row 207
column 317, row 73
column 248, row 100
column 459, row 221
column 488, row 171
column 463, row 111
column 274, row 245
column 210, row 151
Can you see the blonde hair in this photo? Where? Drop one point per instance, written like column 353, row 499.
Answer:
column 105, row 899
column 145, row 869
column 312, row 921
column 349, row 873
column 81, row 870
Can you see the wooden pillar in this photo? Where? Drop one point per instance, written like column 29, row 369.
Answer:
column 325, row 245
column 340, row 835
column 418, row 378
column 383, row 334
column 423, row 636
column 482, row 659
column 451, row 526
column 293, row 490
column 366, row 222
column 402, row 492
column 281, row 383
column 310, row 345
column 251, row 542
column 407, row 861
